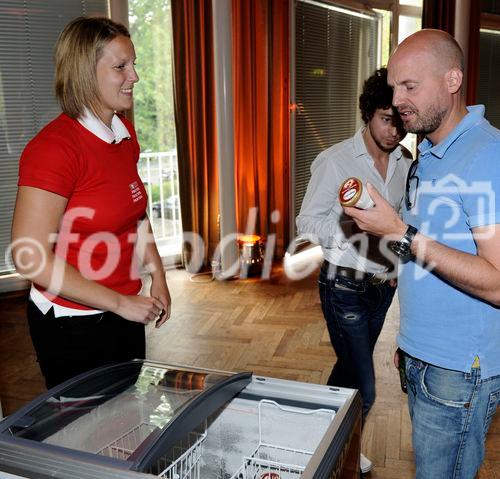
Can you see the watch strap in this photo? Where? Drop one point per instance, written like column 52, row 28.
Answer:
column 402, row 247
column 408, row 237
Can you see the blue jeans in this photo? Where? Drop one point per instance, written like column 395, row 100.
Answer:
column 354, row 312
column 451, row 412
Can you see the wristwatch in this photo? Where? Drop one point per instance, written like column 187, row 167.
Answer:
column 402, row 247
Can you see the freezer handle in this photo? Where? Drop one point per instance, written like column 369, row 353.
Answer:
column 330, row 412
column 291, row 410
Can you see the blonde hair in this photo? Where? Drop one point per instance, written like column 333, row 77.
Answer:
column 77, row 51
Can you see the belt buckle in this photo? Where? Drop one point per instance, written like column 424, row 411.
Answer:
column 378, row 278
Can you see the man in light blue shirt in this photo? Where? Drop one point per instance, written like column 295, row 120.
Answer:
column 449, row 242
column 456, row 177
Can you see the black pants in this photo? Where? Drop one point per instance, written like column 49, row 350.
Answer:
column 70, row 345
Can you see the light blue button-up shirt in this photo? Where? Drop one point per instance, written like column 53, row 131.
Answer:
column 458, row 190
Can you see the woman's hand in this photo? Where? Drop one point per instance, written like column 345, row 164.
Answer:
column 159, row 290
column 152, row 262
column 139, row 308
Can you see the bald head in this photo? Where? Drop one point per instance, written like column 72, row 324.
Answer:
column 441, row 50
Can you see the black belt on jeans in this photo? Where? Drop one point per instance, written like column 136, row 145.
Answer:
column 356, row 275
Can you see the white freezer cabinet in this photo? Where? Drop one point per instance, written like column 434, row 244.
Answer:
column 145, row 419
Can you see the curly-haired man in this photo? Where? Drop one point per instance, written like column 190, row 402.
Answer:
column 354, row 284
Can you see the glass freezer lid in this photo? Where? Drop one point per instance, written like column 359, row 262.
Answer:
column 112, row 411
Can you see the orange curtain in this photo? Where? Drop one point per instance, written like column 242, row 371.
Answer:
column 261, row 116
column 194, row 98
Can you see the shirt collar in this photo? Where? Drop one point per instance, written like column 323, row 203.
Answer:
column 473, row 118
column 95, row 125
column 360, row 146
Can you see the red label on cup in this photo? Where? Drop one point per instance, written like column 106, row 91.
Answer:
column 349, row 190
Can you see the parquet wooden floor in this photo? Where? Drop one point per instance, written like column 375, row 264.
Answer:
column 273, row 328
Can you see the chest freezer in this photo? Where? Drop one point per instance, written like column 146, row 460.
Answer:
column 143, row 419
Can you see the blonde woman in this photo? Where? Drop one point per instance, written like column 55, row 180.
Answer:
column 81, row 213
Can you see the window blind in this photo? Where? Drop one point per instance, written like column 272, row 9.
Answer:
column 28, row 32
column 489, row 72
column 335, row 51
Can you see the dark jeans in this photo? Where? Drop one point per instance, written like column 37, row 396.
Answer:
column 71, row 345
column 354, row 312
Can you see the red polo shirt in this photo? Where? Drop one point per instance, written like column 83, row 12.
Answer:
column 106, row 198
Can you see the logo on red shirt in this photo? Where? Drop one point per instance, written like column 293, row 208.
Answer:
column 136, row 191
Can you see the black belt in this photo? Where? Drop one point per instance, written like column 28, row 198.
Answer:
column 356, row 275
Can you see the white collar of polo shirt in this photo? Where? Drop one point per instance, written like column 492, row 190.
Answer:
column 95, row 125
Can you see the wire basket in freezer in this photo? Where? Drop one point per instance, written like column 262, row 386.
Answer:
column 181, row 462
column 123, row 446
column 272, row 461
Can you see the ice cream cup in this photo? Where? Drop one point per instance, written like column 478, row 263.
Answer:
column 352, row 193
